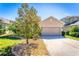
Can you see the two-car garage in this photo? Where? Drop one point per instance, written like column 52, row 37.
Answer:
column 51, row 31
column 52, row 26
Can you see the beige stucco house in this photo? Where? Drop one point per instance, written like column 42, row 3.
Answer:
column 52, row 26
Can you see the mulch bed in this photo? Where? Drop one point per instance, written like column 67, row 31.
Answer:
column 23, row 49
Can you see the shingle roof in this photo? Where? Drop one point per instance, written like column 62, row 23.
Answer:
column 6, row 20
column 73, row 23
column 53, row 18
column 51, row 22
column 76, row 23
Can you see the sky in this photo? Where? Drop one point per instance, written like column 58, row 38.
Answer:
column 57, row 10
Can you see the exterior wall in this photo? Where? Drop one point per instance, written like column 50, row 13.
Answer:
column 51, row 26
column 51, row 31
column 66, row 28
column 51, row 23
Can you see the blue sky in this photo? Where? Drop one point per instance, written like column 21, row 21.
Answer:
column 58, row 10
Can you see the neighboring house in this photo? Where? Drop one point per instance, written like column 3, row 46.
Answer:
column 6, row 22
column 75, row 24
column 70, row 19
column 52, row 26
column 68, row 26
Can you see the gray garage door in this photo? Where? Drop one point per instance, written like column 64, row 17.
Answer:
column 51, row 31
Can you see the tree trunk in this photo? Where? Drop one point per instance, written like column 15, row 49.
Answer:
column 28, row 49
column 27, row 41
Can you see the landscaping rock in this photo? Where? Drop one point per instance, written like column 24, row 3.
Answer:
column 23, row 49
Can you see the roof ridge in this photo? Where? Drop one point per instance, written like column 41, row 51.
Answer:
column 49, row 18
column 53, row 19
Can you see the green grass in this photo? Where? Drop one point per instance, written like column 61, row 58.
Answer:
column 6, row 41
column 71, row 37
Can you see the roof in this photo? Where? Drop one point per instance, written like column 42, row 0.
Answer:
column 72, row 23
column 51, row 22
column 72, row 19
column 6, row 21
column 76, row 23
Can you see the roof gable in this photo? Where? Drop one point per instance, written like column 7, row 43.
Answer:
column 51, row 22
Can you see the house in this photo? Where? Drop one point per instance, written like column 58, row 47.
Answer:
column 75, row 24
column 52, row 26
column 68, row 26
column 5, row 24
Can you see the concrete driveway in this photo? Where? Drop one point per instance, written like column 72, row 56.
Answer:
column 60, row 46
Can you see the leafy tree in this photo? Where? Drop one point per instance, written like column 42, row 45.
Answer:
column 12, row 27
column 2, row 27
column 1, row 22
column 27, row 24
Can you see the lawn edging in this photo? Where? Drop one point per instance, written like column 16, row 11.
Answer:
column 71, row 37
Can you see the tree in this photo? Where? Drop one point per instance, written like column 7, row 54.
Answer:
column 1, row 24
column 2, row 27
column 27, row 24
column 12, row 27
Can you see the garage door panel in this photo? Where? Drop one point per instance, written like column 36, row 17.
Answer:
column 51, row 31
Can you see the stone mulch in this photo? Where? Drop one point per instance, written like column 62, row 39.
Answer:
column 34, row 48
column 23, row 49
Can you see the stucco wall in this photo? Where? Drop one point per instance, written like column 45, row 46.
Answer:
column 51, row 31
column 51, row 26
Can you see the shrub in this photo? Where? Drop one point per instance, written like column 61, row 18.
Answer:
column 2, row 31
column 67, row 33
column 63, row 33
column 72, row 33
column 6, row 52
column 12, row 27
column 74, row 29
column 75, row 34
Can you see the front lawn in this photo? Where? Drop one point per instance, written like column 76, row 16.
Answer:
column 6, row 41
column 71, row 37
